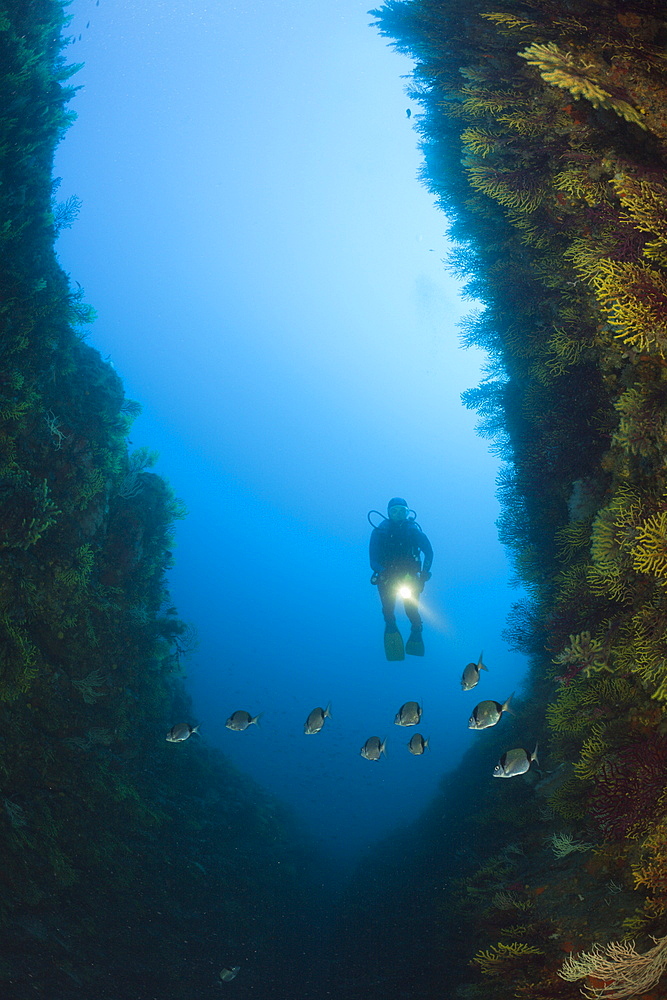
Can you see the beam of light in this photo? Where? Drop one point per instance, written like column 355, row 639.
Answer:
column 405, row 593
column 435, row 618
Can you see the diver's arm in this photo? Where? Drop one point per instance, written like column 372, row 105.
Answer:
column 427, row 549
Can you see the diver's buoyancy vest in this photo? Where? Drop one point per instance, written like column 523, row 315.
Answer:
column 400, row 545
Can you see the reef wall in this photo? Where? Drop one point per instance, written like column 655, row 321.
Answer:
column 544, row 132
column 131, row 867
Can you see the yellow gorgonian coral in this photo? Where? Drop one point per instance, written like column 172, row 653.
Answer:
column 583, row 650
column 649, row 553
column 612, row 585
column 611, row 535
column 572, row 539
column 579, row 186
column 565, row 350
column 530, row 233
column 581, row 73
column 633, row 297
column 642, row 429
column 589, row 255
column 646, row 205
column 495, row 960
column 516, row 189
column 641, row 644
column 510, row 22
column 481, row 141
column 594, row 753
column 651, row 869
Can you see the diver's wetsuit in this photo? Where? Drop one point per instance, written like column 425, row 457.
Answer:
column 395, row 552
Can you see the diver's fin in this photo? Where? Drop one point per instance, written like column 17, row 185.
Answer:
column 415, row 644
column 393, row 644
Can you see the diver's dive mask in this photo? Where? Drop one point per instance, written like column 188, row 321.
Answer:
column 398, row 513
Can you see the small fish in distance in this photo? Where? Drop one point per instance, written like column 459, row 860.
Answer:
column 470, row 678
column 408, row 714
column 181, row 732
column 417, row 744
column 515, row 762
column 238, row 721
column 228, row 974
column 315, row 720
column 373, row 748
column 488, row 713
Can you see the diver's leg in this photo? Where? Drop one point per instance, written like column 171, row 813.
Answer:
column 411, row 604
column 387, row 592
column 415, row 643
column 393, row 640
column 412, row 612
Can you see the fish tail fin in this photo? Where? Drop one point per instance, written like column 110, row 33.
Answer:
column 506, row 704
column 383, row 746
column 255, row 720
column 533, row 755
column 480, row 665
column 327, row 711
column 426, row 743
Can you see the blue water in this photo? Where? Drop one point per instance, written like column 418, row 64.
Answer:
column 269, row 282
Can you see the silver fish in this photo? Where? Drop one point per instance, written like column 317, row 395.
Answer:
column 238, row 721
column 470, row 678
column 488, row 713
column 315, row 720
column 417, row 744
column 373, row 748
column 228, row 974
column 181, row 732
column 408, row 714
column 515, row 762
column 553, row 780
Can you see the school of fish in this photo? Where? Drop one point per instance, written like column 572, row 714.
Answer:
column 484, row 715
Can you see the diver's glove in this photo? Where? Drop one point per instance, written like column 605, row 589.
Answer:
column 374, row 579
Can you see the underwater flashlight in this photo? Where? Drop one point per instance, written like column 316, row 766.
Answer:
column 404, row 592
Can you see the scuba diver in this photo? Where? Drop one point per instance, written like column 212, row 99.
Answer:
column 395, row 550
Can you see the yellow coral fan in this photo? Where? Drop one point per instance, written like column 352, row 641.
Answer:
column 650, row 871
column 481, row 141
column 645, row 203
column 614, row 531
column 572, row 539
column 531, row 234
column 634, row 299
column 642, row 429
column 494, row 960
column 578, row 185
column 641, row 646
column 649, row 553
column 587, row 254
column 510, row 22
column 582, row 74
column 480, row 102
column 569, row 713
column 516, row 189
column 583, row 651
column 566, row 350
column 594, row 752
